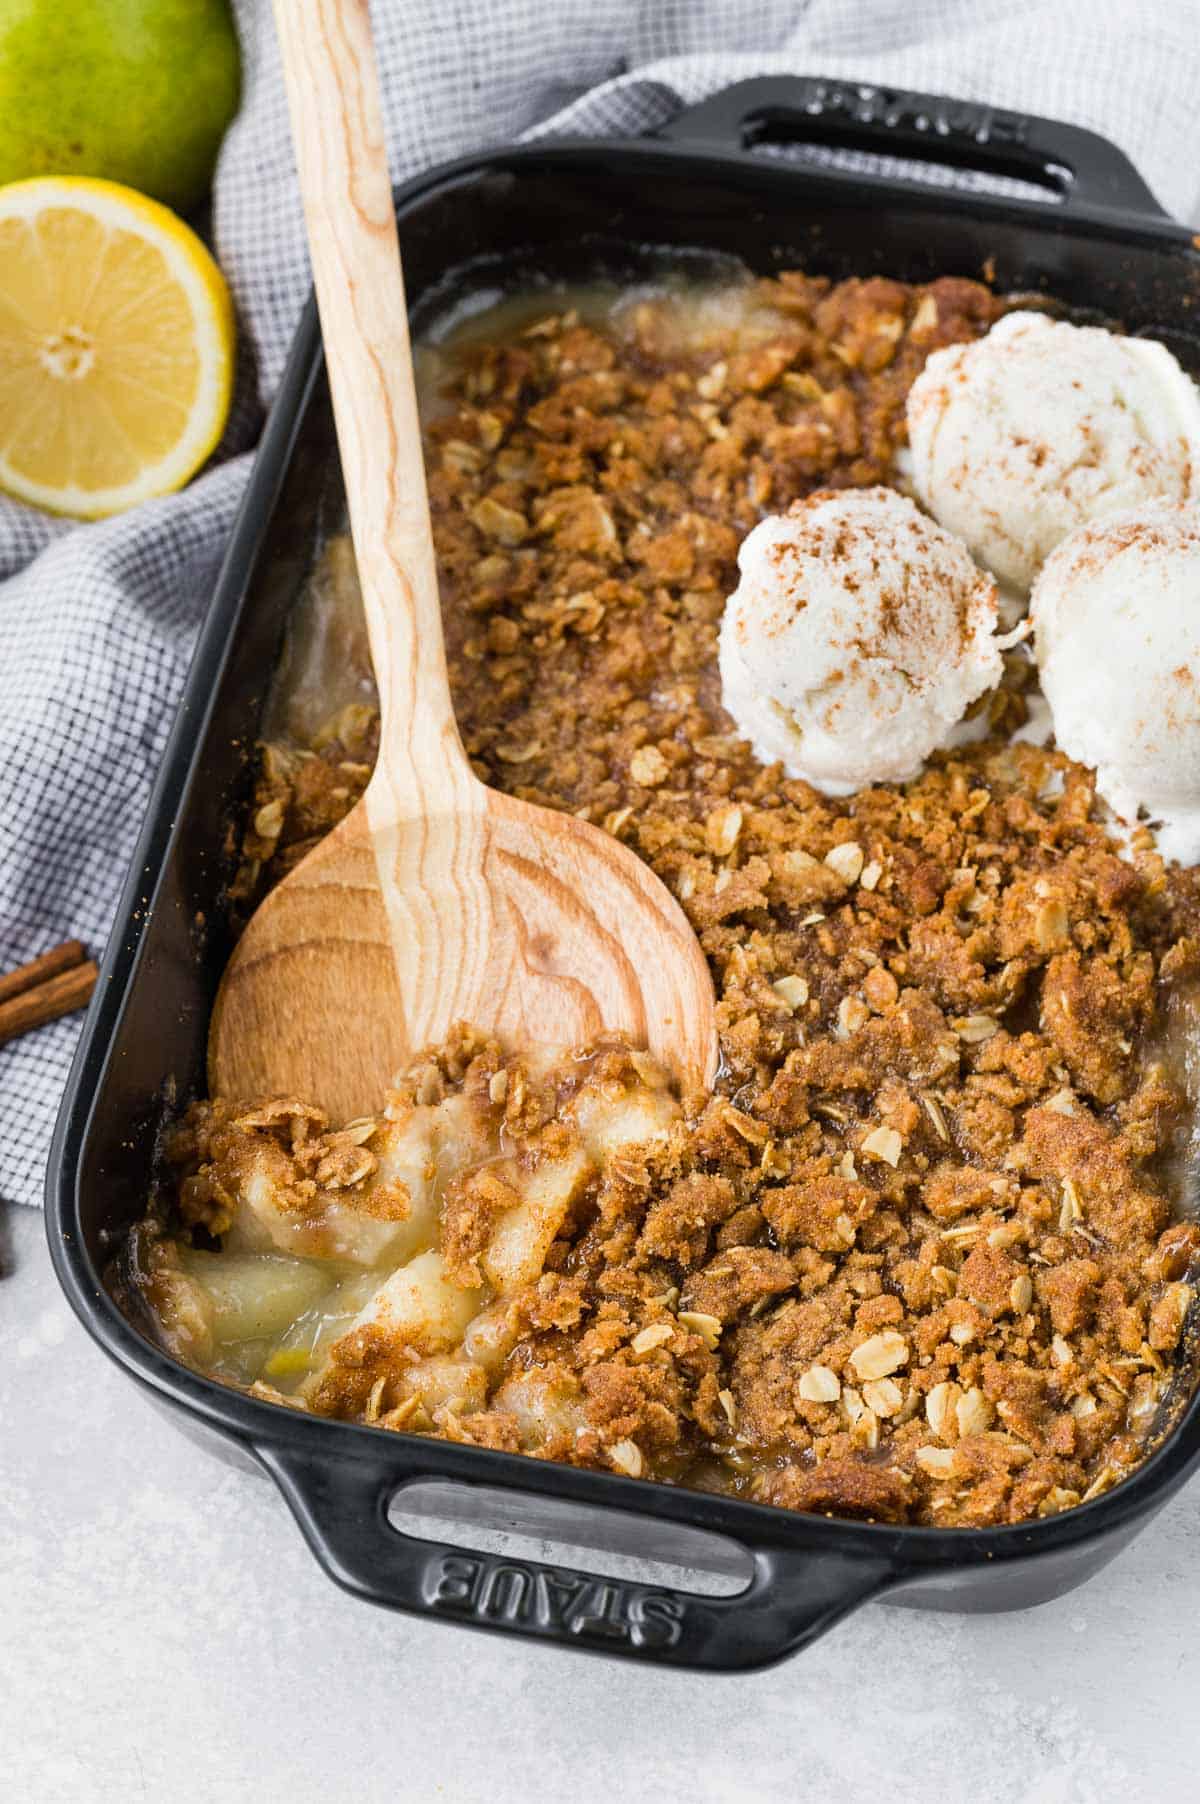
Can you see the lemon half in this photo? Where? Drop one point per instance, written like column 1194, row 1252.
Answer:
column 116, row 347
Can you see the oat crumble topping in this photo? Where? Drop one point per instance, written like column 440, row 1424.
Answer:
column 916, row 1260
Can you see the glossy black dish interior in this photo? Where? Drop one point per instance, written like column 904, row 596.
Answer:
column 566, row 210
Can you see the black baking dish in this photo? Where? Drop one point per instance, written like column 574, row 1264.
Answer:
column 1095, row 241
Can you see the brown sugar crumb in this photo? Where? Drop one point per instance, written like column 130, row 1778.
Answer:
column 915, row 1261
column 841, row 1487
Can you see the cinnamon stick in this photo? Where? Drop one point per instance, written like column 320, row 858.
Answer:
column 48, row 964
column 61, row 994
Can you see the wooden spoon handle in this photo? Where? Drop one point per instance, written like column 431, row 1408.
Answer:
column 341, row 153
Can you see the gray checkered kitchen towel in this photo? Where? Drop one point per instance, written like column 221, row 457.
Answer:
column 97, row 621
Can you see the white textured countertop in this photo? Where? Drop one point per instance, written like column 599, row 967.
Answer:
column 165, row 1634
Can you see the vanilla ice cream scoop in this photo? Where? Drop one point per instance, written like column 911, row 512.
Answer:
column 1038, row 428
column 1116, row 620
column 857, row 638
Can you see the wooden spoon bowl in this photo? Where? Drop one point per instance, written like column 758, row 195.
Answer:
column 437, row 900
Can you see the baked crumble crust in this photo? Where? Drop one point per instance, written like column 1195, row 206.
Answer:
column 916, row 1259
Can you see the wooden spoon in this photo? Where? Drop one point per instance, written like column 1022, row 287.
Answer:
column 436, row 900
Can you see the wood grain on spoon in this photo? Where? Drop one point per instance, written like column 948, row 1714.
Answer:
column 436, row 900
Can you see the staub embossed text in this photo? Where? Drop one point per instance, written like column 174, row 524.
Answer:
column 551, row 1602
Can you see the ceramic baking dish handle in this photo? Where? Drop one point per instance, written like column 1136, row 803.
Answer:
column 794, row 1595
column 1080, row 168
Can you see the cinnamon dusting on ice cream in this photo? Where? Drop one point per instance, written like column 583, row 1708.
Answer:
column 858, row 636
column 1042, row 426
